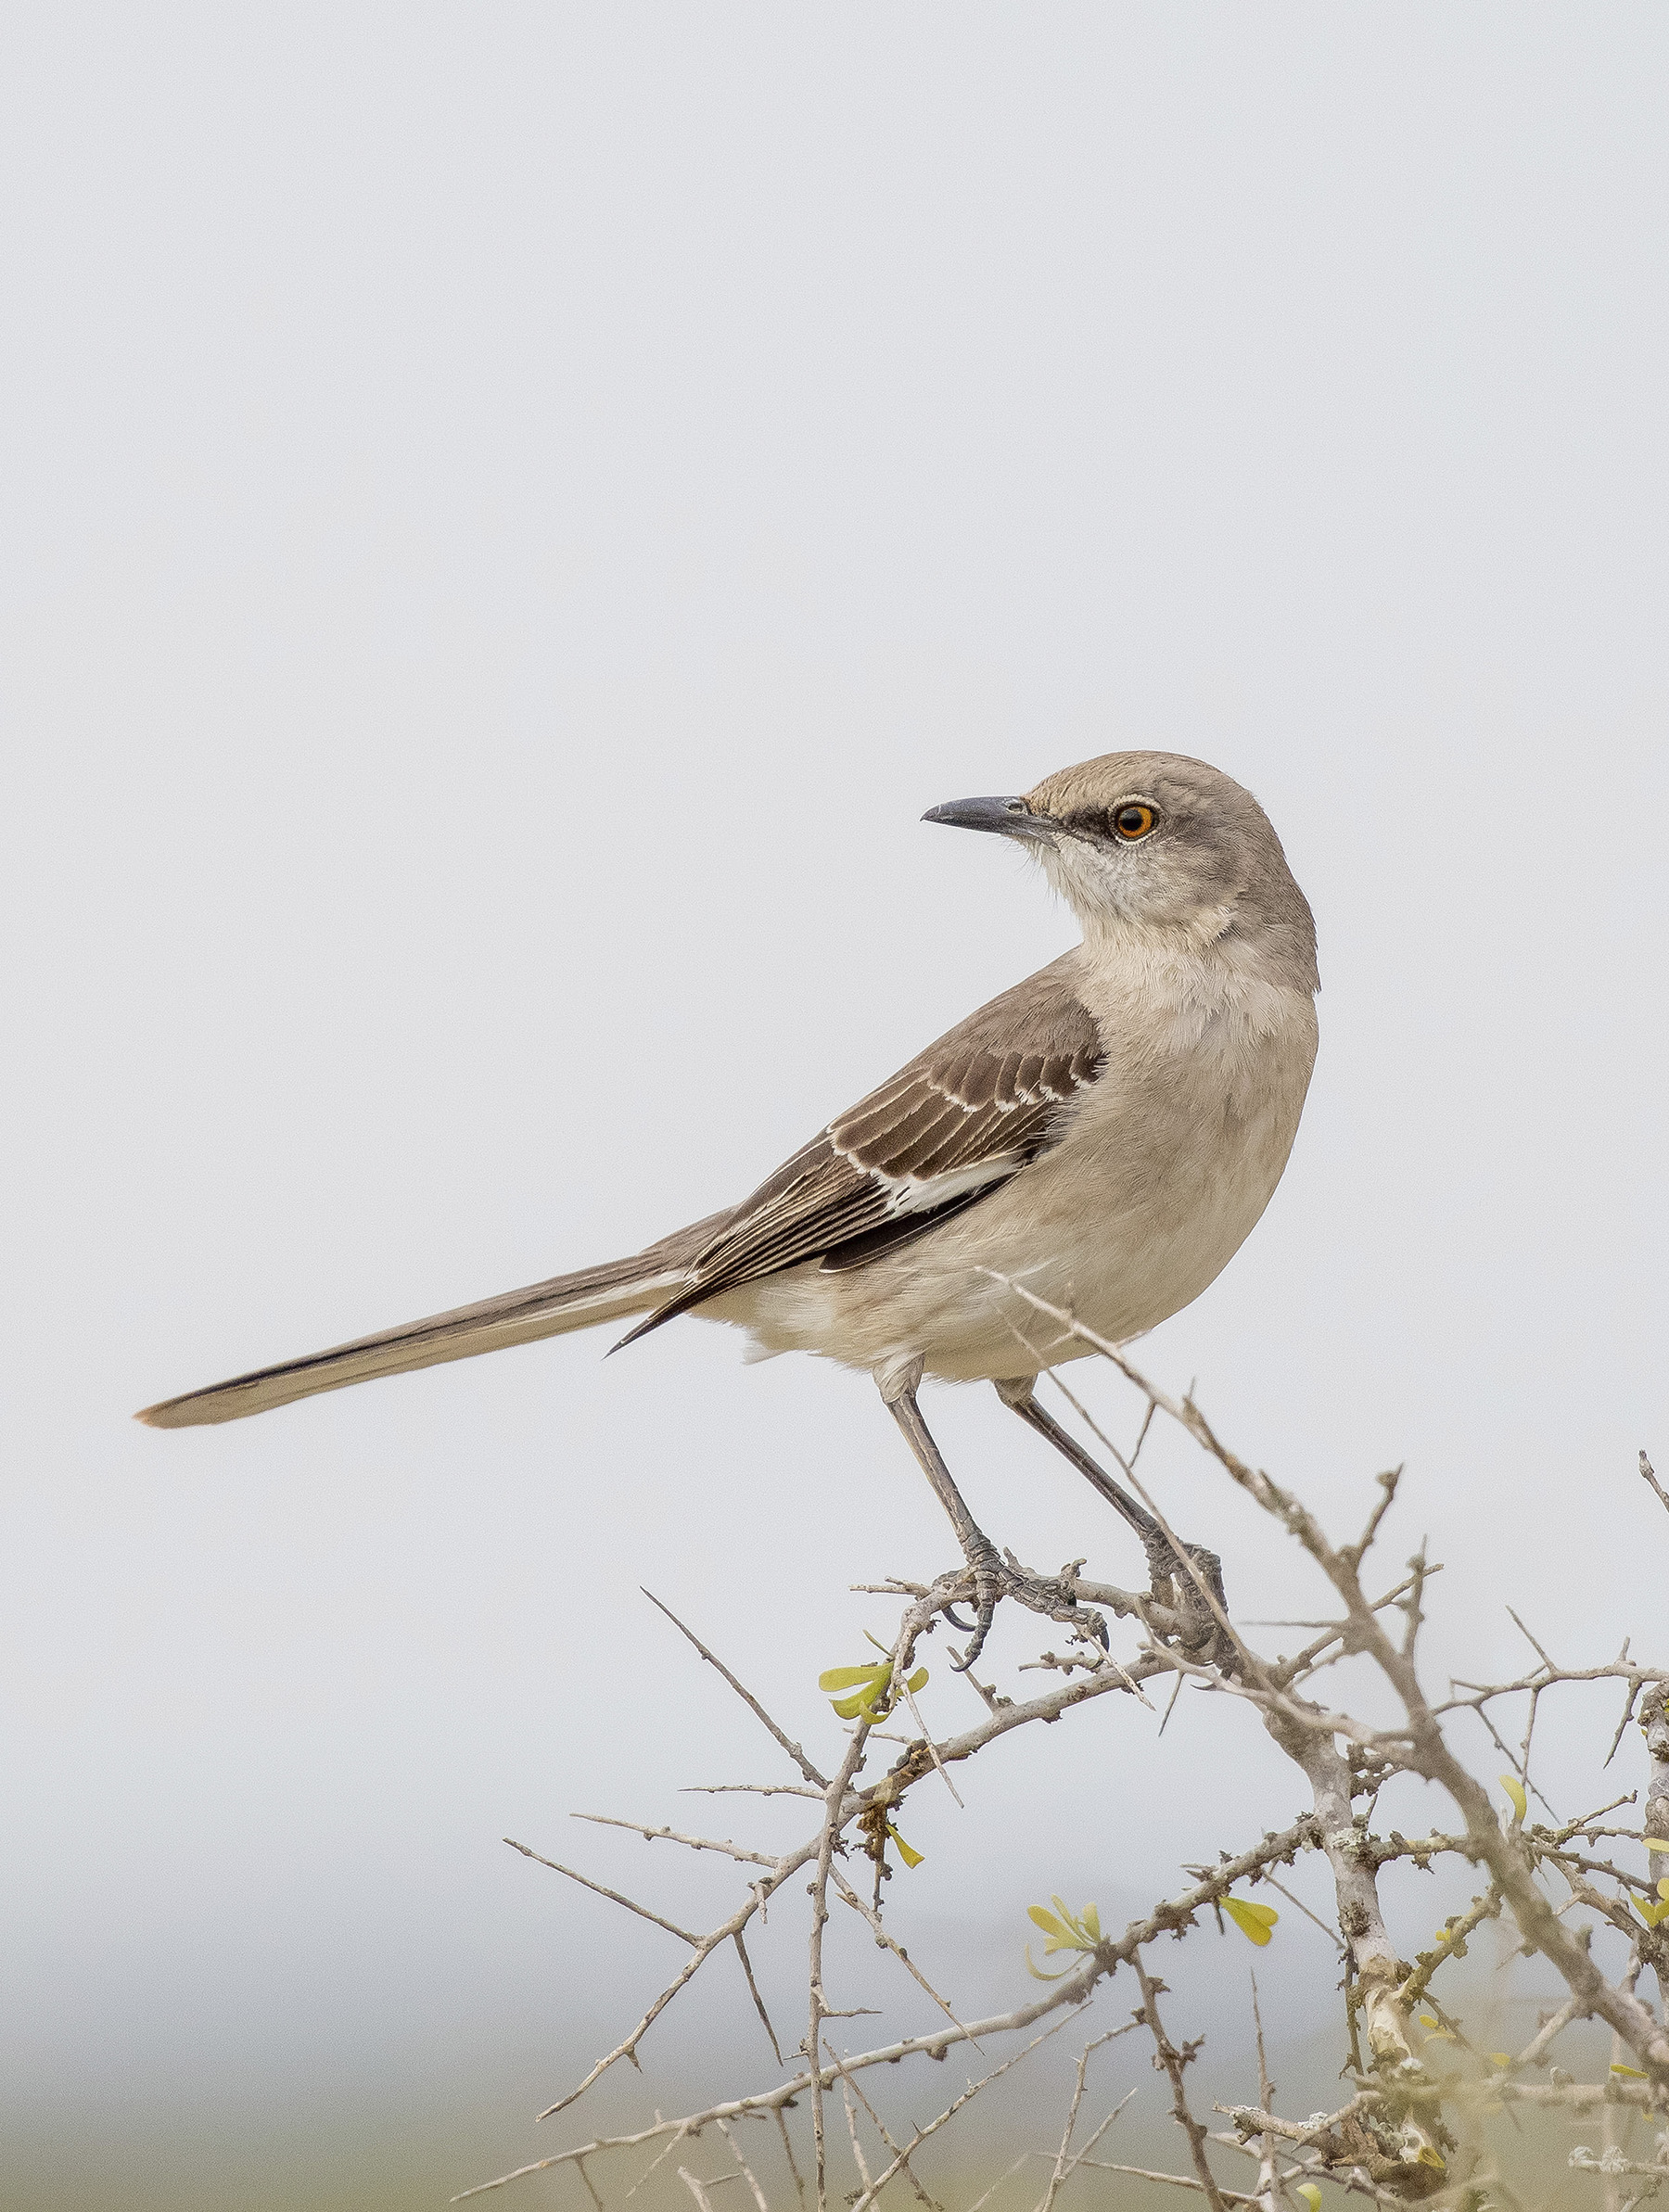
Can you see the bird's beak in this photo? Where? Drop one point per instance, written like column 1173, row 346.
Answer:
column 1004, row 818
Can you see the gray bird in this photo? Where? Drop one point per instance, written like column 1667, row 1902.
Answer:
column 1105, row 1134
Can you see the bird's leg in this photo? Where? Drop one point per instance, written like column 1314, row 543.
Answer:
column 1167, row 1576
column 994, row 1577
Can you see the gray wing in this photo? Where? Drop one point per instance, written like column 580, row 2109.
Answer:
column 957, row 1123
column 944, row 1132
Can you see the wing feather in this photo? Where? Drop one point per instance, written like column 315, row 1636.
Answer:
column 962, row 1118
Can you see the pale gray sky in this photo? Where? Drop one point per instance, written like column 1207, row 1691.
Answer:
column 511, row 514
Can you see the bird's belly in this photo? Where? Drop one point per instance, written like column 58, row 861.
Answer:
column 1125, row 1222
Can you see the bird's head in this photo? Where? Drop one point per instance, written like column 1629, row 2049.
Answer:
column 1157, row 845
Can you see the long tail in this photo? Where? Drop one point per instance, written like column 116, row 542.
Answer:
column 548, row 1309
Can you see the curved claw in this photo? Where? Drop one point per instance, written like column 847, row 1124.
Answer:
column 982, row 1629
column 987, row 1592
column 993, row 1582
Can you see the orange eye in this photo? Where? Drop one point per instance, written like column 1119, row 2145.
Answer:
column 1133, row 821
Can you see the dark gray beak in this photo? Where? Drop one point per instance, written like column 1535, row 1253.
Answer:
column 1004, row 818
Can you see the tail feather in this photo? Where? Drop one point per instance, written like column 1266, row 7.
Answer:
column 547, row 1309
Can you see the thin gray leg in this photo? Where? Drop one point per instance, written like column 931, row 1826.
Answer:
column 1032, row 1414
column 1163, row 1565
column 994, row 1578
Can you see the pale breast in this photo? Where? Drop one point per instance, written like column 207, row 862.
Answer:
column 1163, row 1169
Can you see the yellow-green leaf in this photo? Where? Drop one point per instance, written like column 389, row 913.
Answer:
column 1664, row 1886
column 1429, row 2020
column 846, row 1678
column 918, row 1681
column 1037, row 1973
column 1656, row 1843
column 1515, row 1790
column 1310, row 2193
column 909, row 1858
column 1651, row 1914
column 1634, row 2073
column 1067, row 1931
column 1254, row 1921
column 1428, row 2157
column 1500, row 2058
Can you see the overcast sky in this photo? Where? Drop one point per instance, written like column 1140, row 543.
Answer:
column 511, row 514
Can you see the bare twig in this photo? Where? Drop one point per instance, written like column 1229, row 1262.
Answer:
column 1061, row 2168
column 1145, row 2173
column 1649, row 1474
column 693, row 1843
column 1415, row 2130
column 585, row 1881
column 920, row 2137
column 887, row 1942
column 1174, row 2061
column 746, row 1696
column 753, row 1990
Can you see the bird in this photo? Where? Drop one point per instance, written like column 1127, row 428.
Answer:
column 1102, row 1138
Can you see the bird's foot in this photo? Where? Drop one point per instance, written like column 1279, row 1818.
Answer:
column 996, row 1578
column 1192, row 1588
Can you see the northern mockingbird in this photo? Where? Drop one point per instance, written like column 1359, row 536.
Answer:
column 1105, row 1133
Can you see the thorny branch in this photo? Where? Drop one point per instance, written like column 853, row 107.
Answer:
column 1415, row 2127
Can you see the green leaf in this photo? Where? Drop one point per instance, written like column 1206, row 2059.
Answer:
column 918, row 1681
column 909, row 1858
column 1656, row 1843
column 1254, row 1921
column 846, row 1678
column 849, row 1709
column 1634, row 2073
column 1067, row 1931
column 1310, row 2193
column 1037, row 1973
column 1515, row 1790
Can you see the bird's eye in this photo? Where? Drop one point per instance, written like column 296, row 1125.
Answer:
column 1133, row 821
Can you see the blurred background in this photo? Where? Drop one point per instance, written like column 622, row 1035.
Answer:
column 510, row 516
